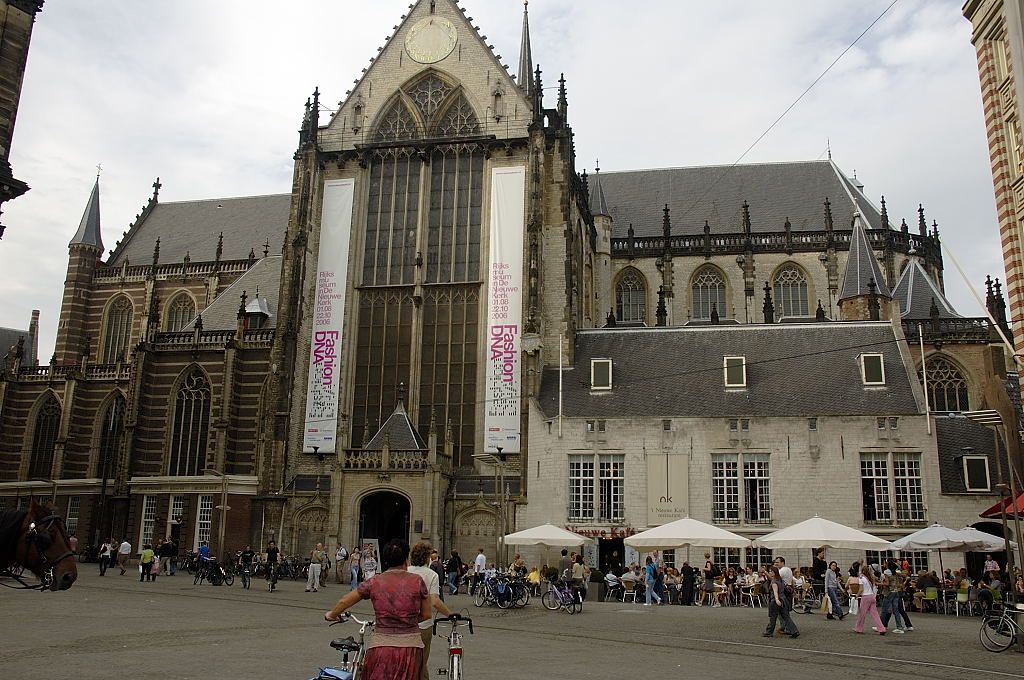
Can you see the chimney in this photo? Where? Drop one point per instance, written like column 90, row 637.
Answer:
column 33, row 340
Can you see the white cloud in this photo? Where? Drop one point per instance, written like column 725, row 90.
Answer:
column 209, row 97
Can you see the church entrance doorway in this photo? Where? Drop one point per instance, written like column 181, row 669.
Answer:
column 384, row 516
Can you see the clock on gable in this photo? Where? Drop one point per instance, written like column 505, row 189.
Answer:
column 431, row 39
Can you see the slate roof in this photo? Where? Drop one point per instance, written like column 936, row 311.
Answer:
column 861, row 266
column 194, row 227
column 808, row 369
column 399, row 431
column 89, row 228
column 953, row 433
column 915, row 291
column 715, row 193
column 264, row 275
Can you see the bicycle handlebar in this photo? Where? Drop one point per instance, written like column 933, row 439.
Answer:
column 346, row 617
column 453, row 621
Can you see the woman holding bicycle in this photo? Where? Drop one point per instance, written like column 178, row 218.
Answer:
column 400, row 602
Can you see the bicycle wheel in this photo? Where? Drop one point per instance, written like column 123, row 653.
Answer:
column 199, row 578
column 229, row 578
column 522, row 598
column 997, row 633
column 505, row 602
column 550, row 601
column 481, row 597
column 455, row 667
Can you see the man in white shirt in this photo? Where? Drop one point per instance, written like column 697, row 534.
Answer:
column 479, row 566
column 124, row 551
column 419, row 559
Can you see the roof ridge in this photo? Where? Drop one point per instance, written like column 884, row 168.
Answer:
column 718, row 165
column 224, row 198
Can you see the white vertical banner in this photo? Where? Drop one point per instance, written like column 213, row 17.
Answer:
column 328, row 315
column 503, row 385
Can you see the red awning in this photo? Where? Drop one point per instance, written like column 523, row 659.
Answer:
column 995, row 512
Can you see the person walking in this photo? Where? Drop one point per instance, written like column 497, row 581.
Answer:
column 340, row 562
column 564, row 564
column 124, row 552
column 434, row 562
column 355, row 559
column 166, row 552
column 105, row 552
column 369, row 562
column 419, row 564
column 400, row 602
column 893, row 603
column 479, row 567
column 146, row 561
column 868, row 593
column 316, row 561
column 452, row 568
column 779, row 604
column 650, row 577
column 832, row 575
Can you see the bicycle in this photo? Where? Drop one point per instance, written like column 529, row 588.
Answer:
column 352, row 652
column 806, row 600
column 455, row 671
column 1000, row 631
column 562, row 596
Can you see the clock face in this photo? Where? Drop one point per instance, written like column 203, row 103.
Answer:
column 431, row 40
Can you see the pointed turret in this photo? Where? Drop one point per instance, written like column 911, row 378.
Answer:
column 524, row 78
column 863, row 281
column 88, row 233
column 598, row 203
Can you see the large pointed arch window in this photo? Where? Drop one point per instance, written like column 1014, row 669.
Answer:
column 118, row 330
column 790, row 288
column 397, row 124
column 428, row 94
column 947, row 386
column 44, row 439
column 111, row 435
column 708, row 293
column 458, row 120
column 631, row 297
column 180, row 313
column 191, row 425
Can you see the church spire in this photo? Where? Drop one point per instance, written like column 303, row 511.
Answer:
column 525, row 76
column 88, row 233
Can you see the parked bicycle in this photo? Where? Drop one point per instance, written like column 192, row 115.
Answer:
column 455, row 651
column 806, row 600
column 999, row 631
column 352, row 652
column 215, row 573
column 562, row 595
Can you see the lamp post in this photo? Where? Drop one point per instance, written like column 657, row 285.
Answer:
column 498, row 461
column 223, row 507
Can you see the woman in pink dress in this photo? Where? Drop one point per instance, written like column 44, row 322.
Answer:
column 400, row 602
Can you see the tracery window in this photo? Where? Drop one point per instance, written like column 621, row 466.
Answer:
column 397, row 124
column 190, row 428
column 456, row 213
column 458, row 120
column 111, row 435
column 947, row 386
column 428, row 94
column 44, row 440
column 708, row 293
column 631, row 297
column 118, row 330
column 392, row 207
column 180, row 313
column 791, row 297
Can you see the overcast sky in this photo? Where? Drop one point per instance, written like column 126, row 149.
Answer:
column 209, row 95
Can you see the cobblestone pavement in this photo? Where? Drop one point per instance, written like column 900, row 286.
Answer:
column 117, row 627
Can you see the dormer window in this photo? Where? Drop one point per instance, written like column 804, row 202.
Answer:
column 735, row 371
column 872, row 369
column 976, row 475
column 600, row 374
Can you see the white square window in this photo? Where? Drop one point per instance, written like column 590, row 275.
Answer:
column 600, row 374
column 976, row 477
column 812, row 424
column 666, row 425
column 735, row 371
column 872, row 369
column 590, row 426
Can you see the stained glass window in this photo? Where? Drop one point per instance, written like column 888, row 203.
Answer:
column 190, row 427
column 455, row 214
column 118, row 330
column 110, row 437
column 428, row 94
column 392, row 207
column 180, row 312
column 44, row 441
column 791, row 298
column 708, row 293
column 458, row 120
column 631, row 297
column 397, row 124
column 947, row 386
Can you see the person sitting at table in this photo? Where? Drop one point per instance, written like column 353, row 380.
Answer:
column 947, row 576
column 990, row 590
column 749, row 578
column 962, row 580
column 670, row 583
column 533, row 579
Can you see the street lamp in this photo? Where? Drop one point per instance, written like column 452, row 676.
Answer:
column 52, row 483
column 498, row 461
column 223, row 507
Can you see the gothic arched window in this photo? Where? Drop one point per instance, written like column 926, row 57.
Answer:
column 118, row 330
column 111, row 434
column 947, row 386
column 458, row 120
column 631, row 297
column 708, row 293
column 180, row 313
column 397, row 124
column 191, row 425
column 791, row 298
column 44, row 439
column 428, row 95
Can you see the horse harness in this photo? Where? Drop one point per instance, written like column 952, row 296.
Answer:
column 41, row 541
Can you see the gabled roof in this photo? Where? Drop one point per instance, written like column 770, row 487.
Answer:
column 399, row 432
column 915, row 291
column 775, row 191
column 194, row 227
column 954, row 433
column 89, row 229
column 793, row 370
column 264, row 276
column 861, row 266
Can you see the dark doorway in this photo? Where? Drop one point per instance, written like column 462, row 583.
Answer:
column 384, row 516
column 975, row 561
column 611, row 555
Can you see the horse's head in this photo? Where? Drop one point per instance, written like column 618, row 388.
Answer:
column 45, row 546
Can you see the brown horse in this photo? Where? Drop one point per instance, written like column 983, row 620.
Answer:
column 38, row 540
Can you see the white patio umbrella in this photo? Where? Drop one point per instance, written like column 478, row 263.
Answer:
column 684, row 532
column 547, row 535
column 938, row 538
column 991, row 542
column 818, row 532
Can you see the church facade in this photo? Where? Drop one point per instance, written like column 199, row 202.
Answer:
column 375, row 354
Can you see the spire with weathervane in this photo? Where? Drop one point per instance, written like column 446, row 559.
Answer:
column 524, row 78
column 88, row 233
